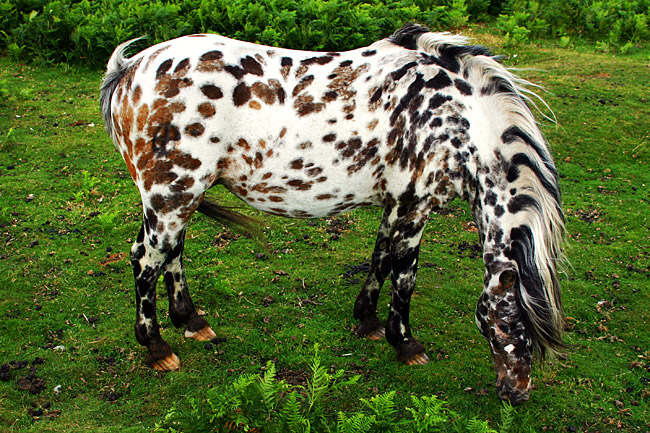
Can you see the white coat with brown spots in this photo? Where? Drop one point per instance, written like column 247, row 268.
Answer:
column 406, row 124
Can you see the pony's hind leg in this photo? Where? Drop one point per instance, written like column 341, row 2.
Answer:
column 181, row 308
column 406, row 232
column 147, row 260
column 365, row 306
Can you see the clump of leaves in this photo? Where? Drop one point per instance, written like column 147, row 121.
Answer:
column 261, row 402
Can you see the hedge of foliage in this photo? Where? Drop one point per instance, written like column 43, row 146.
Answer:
column 88, row 30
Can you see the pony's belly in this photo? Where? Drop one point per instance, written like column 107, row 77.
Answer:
column 310, row 200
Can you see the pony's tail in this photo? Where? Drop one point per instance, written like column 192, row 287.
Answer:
column 115, row 70
column 233, row 220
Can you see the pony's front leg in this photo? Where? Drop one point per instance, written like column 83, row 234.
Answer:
column 406, row 234
column 181, row 308
column 147, row 260
column 365, row 306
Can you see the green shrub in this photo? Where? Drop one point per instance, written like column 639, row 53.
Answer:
column 620, row 23
column 87, row 31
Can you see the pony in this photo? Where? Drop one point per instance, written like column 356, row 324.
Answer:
column 406, row 124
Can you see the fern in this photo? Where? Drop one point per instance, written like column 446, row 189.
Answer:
column 507, row 418
column 383, row 407
column 428, row 413
column 357, row 423
column 259, row 402
column 477, row 426
column 269, row 388
column 291, row 414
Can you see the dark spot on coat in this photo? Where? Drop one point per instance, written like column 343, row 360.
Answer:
column 162, row 136
column 299, row 184
column 376, row 96
column 241, row 94
column 297, row 164
column 330, row 96
column 251, row 66
column 322, row 60
column 315, row 171
column 398, row 74
column 211, row 91
column 211, row 55
column 163, row 68
column 329, row 138
column 463, row 87
column 440, row 81
column 521, row 202
column 235, row 71
column 304, row 82
column 438, row 100
column 183, row 64
column 194, row 129
column 369, row 53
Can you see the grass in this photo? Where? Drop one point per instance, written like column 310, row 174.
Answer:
column 69, row 213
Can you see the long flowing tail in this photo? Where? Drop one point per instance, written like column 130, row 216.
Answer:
column 115, row 69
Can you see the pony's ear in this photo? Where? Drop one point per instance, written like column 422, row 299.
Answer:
column 508, row 278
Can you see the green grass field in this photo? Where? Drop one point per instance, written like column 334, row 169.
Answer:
column 69, row 213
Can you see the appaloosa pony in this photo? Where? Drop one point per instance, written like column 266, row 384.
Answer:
column 406, row 124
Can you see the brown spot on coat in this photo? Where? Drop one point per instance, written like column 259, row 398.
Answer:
column 241, row 94
column 324, row 197
column 143, row 116
column 243, row 143
column 286, row 63
column 305, row 105
column 162, row 136
column 297, row 164
column 195, row 129
column 320, row 60
column 255, row 105
column 313, row 172
column 206, row 109
column 137, row 93
column 211, row 91
column 182, row 184
column 251, row 66
column 299, row 184
column 182, row 68
column 302, row 85
column 211, row 56
column 264, row 92
column 163, row 68
column 235, row 71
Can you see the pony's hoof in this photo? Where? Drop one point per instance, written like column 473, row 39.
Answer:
column 420, row 359
column 204, row 334
column 377, row 334
column 169, row 363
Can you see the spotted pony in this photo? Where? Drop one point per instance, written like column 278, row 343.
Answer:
column 407, row 124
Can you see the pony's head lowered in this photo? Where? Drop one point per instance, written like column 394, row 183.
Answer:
column 514, row 194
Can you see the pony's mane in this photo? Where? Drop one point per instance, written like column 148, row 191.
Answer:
column 537, row 230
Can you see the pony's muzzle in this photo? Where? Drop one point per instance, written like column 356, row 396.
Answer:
column 513, row 391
